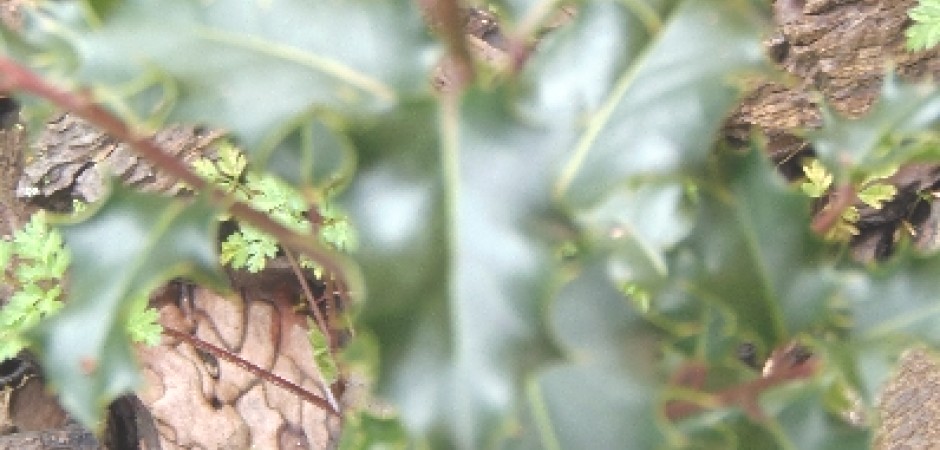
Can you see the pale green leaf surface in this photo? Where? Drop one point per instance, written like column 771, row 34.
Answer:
column 250, row 66
column 453, row 261
column 132, row 244
column 576, row 67
column 924, row 33
column 604, row 394
column 892, row 307
column 643, row 223
column 899, row 300
column 877, row 194
column 805, row 424
column 854, row 144
column 750, row 254
column 676, row 90
column 313, row 153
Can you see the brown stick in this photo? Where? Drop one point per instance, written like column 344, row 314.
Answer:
column 14, row 77
column 745, row 395
column 244, row 364
column 842, row 198
column 444, row 16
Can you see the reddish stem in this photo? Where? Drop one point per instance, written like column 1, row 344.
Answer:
column 311, row 300
column 444, row 16
column 14, row 77
column 745, row 395
column 841, row 198
column 244, row 364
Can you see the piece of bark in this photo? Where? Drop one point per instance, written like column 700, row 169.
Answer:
column 12, row 147
column 910, row 405
column 198, row 398
column 72, row 437
column 73, row 160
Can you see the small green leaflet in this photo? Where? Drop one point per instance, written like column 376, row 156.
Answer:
column 924, row 33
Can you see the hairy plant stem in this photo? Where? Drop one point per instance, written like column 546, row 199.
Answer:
column 15, row 77
column 254, row 369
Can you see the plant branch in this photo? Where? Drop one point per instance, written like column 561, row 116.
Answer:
column 444, row 17
column 254, row 369
column 744, row 395
column 14, row 77
column 842, row 198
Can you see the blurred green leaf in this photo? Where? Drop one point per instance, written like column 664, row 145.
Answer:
column 876, row 195
column 751, row 255
column 132, row 244
column 676, row 89
column 605, row 394
column 818, row 179
column 216, row 63
column 924, row 33
column 456, row 269
column 856, row 145
column 804, row 422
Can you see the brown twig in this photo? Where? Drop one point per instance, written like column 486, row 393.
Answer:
column 254, row 369
column 840, row 199
column 744, row 396
column 14, row 77
column 444, row 17
column 311, row 299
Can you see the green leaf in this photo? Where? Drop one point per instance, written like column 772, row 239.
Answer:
column 322, row 354
column 143, row 322
column 924, row 33
column 752, row 254
column 804, row 422
column 456, row 276
column 818, row 179
column 676, row 89
column 893, row 306
column 244, row 67
column 605, row 393
column 876, row 195
column 248, row 249
column 313, row 153
column 131, row 244
column 854, row 147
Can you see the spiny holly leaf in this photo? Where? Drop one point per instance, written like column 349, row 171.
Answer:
column 799, row 412
column 751, row 255
column 676, row 89
column 456, row 275
column 605, row 394
column 895, row 303
column 858, row 145
column 244, row 66
column 457, row 230
column 132, row 244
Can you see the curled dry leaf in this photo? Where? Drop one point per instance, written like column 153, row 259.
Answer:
column 197, row 398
